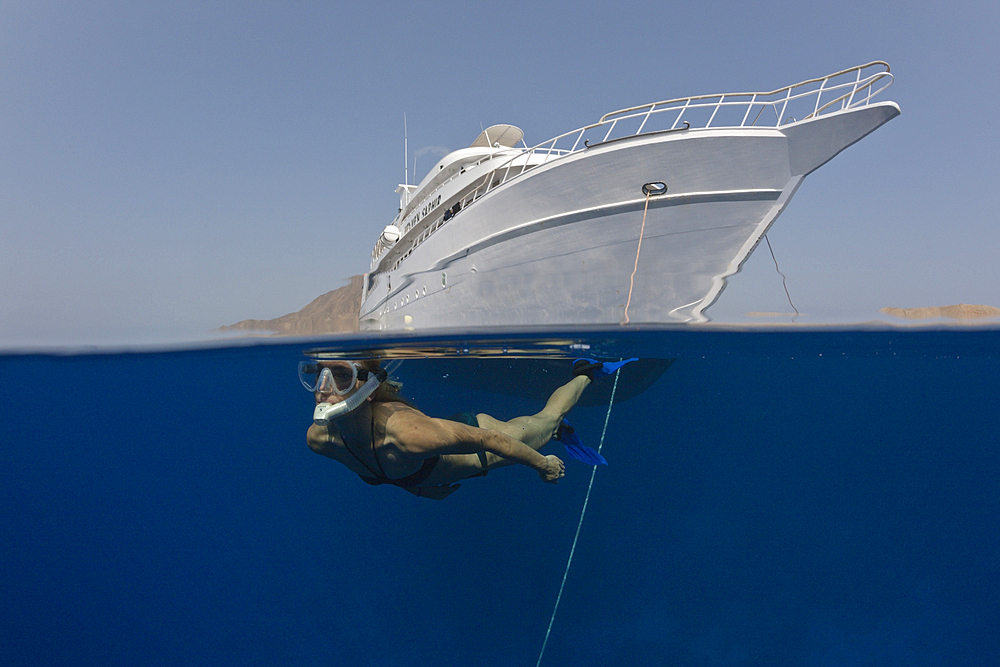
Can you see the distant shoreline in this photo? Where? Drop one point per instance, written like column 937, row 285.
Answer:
column 962, row 311
column 337, row 312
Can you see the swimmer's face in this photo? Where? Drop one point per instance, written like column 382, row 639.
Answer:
column 344, row 382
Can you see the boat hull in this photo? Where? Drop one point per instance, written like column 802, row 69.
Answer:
column 560, row 244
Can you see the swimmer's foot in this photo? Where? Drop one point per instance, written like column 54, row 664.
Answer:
column 595, row 369
column 575, row 449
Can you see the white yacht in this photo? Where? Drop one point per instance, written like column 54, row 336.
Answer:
column 637, row 218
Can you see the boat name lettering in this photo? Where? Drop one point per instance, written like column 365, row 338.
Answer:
column 419, row 215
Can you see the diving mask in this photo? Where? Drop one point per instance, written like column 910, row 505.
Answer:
column 333, row 377
column 338, row 377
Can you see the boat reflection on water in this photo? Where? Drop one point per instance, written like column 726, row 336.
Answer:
column 773, row 496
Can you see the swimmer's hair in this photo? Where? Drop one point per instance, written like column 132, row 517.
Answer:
column 388, row 391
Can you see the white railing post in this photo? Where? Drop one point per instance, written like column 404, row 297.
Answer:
column 850, row 98
column 681, row 114
column 643, row 123
column 819, row 95
column 753, row 99
column 611, row 129
column 788, row 96
column 715, row 111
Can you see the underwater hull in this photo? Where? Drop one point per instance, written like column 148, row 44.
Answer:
column 559, row 244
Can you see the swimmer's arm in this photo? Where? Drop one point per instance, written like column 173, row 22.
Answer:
column 324, row 440
column 419, row 436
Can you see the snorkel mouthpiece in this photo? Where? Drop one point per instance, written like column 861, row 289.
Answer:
column 327, row 412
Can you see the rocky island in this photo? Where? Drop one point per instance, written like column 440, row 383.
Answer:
column 333, row 312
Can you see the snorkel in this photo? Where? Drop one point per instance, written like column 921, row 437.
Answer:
column 327, row 412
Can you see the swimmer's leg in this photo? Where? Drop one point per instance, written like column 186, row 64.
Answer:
column 536, row 430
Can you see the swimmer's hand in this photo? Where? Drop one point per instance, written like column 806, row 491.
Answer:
column 439, row 492
column 552, row 470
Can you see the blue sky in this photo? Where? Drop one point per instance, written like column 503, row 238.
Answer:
column 169, row 168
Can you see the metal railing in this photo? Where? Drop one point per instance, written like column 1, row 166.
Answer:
column 847, row 89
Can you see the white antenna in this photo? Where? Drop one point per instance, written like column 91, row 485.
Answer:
column 406, row 157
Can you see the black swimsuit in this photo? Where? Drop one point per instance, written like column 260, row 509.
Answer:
column 382, row 478
column 402, row 482
column 425, row 470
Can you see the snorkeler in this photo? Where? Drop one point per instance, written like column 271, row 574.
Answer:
column 361, row 421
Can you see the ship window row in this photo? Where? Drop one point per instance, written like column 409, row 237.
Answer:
column 450, row 212
column 453, row 177
column 426, row 234
column 510, row 173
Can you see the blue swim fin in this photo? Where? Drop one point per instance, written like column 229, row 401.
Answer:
column 595, row 369
column 575, row 449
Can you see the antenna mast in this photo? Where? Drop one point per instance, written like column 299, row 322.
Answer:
column 406, row 157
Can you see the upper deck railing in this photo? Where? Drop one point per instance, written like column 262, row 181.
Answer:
column 847, row 89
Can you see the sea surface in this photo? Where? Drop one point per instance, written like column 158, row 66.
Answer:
column 773, row 497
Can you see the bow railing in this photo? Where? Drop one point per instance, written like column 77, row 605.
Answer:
column 847, row 89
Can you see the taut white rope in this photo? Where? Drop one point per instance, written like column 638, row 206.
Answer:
column 580, row 523
column 631, row 279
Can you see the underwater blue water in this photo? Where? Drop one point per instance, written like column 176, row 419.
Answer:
column 775, row 498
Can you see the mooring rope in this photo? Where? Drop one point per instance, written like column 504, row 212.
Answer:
column 579, row 524
column 631, row 280
column 783, row 283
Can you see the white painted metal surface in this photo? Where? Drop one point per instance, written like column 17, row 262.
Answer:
column 496, row 235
